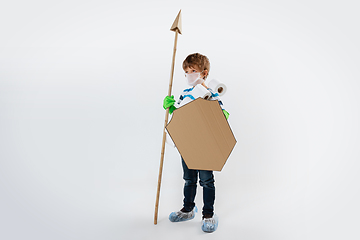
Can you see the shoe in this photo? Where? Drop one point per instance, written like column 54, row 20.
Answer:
column 210, row 224
column 181, row 215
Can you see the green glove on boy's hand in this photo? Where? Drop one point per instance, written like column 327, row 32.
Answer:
column 226, row 114
column 169, row 103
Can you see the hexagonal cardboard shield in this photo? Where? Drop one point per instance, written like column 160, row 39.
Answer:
column 202, row 135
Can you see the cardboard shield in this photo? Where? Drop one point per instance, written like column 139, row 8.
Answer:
column 202, row 135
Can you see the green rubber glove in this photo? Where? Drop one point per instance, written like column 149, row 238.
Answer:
column 169, row 103
column 226, row 114
column 171, row 109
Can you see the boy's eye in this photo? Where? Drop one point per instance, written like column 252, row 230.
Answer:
column 194, row 71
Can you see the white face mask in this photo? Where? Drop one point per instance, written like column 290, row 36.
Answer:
column 194, row 78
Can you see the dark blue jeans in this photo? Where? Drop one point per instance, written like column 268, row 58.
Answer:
column 206, row 181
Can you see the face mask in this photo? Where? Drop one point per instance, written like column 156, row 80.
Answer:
column 194, row 78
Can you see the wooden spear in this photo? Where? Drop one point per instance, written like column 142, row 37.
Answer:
column 176, row 27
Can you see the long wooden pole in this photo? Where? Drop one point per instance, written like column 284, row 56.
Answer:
column 164, row 134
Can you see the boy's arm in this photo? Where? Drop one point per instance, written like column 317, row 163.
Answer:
column 215, row 96
column 169, row 102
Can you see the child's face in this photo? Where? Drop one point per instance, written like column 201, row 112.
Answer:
column 194, row 70
column 194, row 76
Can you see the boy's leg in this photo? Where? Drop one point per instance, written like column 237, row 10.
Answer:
column 190, row 177
column 207, row 182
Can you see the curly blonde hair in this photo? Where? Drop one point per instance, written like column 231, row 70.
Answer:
column 197, row 60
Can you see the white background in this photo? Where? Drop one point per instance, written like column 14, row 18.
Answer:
column 81, row 118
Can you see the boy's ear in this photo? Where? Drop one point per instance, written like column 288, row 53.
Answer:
column 205, row 73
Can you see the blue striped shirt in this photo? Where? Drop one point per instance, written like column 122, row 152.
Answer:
column 187, row 97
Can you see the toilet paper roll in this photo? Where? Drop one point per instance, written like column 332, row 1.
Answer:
column 200, row 91
column 217, row 86
column 196, row 92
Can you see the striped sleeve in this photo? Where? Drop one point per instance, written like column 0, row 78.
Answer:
column 186, row 94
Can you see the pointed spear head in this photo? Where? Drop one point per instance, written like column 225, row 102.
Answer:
column 177, row 24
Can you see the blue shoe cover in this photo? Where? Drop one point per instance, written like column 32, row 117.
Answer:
column 181, row 216
column 210, row 225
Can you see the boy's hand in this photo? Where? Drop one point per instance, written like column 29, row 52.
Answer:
column 226, row 114
column 169, row 103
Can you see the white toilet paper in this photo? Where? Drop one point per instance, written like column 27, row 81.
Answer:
column 217, row 86
column 198, row 91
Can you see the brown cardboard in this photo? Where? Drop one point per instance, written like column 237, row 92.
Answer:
column 177, row 24
column 202, row 134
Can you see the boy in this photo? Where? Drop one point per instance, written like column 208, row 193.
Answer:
column 196, row 67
